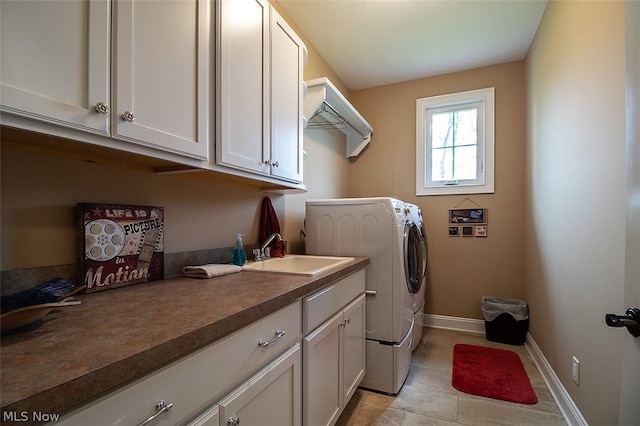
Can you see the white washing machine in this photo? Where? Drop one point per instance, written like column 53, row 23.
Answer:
column 419, row 297
column 380, row 229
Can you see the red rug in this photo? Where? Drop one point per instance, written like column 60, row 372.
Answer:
column 494, row 373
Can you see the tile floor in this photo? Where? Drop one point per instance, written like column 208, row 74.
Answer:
column 427, row 397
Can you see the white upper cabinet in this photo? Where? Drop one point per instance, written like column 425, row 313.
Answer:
column 55, row 61
column 161, row 74
column 260, row 91
column 56, row 69
column 287, row 97
column 243, row 84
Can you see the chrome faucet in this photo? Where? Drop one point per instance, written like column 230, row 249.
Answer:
column 259, row 254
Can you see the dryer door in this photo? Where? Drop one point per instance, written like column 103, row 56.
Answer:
column 426, row 250
column 415, row 257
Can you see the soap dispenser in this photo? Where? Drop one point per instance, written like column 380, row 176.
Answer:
column 238, row 255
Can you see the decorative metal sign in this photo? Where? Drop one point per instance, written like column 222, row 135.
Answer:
column 467, row 216
column 120, row 245
column 468, row 222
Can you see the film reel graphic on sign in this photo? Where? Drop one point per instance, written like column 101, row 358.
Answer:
column 104, row 239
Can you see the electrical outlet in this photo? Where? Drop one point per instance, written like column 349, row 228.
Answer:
column 575, row 370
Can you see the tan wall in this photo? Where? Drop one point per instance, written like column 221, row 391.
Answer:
column 461, row 270
column 325, row 163
column 39, row 195
column 325, row 170
column 316, row 66
column 575, row 238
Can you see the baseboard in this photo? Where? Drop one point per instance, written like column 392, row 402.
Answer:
column 570, row 411
column 454, row 323
column 568, row 408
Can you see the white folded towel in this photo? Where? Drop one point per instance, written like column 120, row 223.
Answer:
column 210, row 271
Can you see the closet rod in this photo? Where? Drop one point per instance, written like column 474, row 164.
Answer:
column 331, row 111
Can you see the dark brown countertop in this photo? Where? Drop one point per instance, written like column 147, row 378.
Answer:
column 78, row 352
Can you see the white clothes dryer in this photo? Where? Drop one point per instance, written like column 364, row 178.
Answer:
column 380, row 229
column 422, row 253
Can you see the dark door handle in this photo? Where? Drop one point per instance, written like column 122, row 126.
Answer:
column 631, row 320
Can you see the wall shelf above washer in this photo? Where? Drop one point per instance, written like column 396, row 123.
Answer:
column 326, row 107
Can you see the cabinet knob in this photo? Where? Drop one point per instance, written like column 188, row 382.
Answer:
column 102, row 108
column 128, row 116
column 233, row 421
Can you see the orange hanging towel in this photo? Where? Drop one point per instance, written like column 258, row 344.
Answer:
column 268, row 225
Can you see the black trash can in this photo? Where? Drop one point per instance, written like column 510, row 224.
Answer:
column 505, row 320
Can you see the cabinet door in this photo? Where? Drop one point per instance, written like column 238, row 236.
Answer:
column 287, row 61
column 270, row 398
column 161, row 76
column 209, row 418
column 243, row 84
column 55, row 61
column 322, row 371
column 353, row 348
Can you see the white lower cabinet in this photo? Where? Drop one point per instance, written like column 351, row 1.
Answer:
column 353, row 343
column 196, row 381
column 260, row 375
column 210, row 418
column 322, row 373
column 334, row 352
column 270, row 398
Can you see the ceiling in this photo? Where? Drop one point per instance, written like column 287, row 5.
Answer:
column 371, row 43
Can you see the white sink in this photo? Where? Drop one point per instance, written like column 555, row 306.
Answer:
column 295, row 264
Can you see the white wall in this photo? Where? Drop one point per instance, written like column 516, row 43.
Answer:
column 575, row 227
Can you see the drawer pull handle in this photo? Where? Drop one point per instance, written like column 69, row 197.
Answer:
column 161, row 407
column 233, row 421
column 279, row 334
column 370, row 292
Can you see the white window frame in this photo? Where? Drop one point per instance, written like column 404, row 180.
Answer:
column 484, row 184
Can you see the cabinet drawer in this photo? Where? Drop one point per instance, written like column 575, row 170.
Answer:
column 196, row 380
column 321, row 305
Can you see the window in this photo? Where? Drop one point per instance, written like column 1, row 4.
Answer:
column 455, row 143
